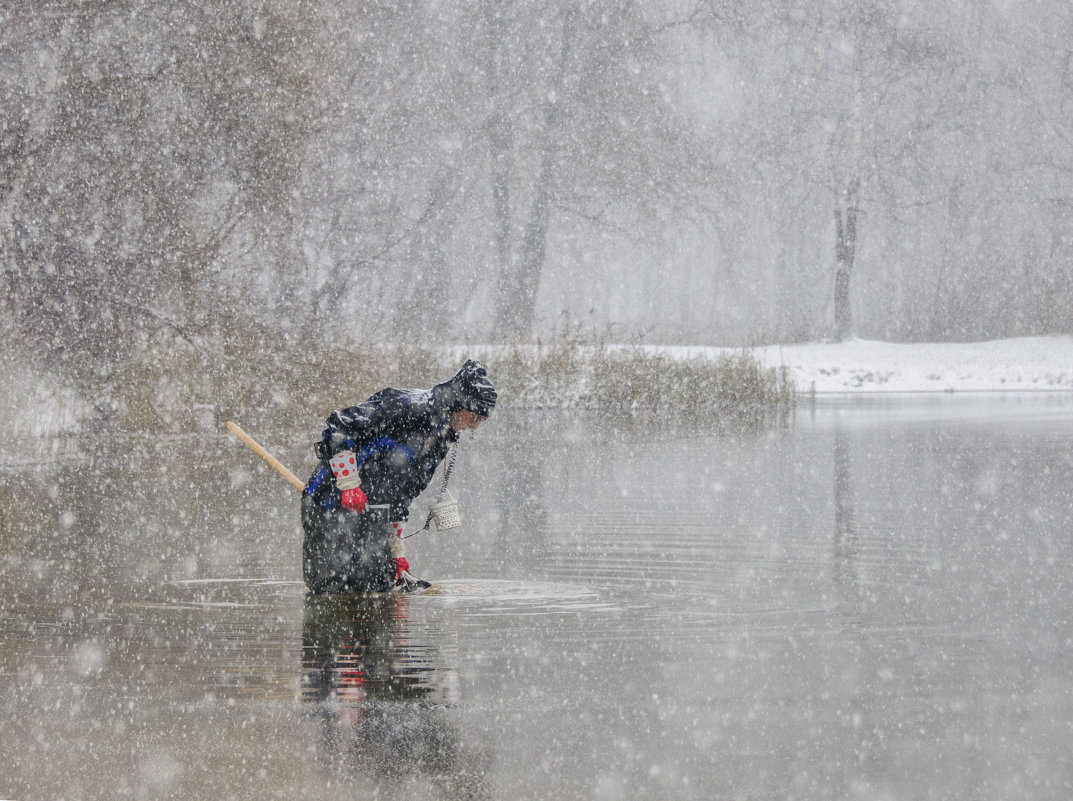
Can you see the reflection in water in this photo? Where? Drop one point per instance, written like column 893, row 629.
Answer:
column 381, row 698
column 845, row 513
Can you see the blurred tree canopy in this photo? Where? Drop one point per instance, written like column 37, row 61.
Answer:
column 148, row 151
column 698, row 171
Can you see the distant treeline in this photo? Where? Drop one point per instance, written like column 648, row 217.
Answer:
column 701, row 173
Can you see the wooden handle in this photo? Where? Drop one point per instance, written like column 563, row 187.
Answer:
column 271, row 460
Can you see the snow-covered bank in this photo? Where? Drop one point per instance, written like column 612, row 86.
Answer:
column 1024, row 364
column 1010, row 365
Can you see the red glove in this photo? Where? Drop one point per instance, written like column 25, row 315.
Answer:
column 355, row 500
column 400, row 565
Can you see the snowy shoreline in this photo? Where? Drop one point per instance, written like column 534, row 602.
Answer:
column 1025, row 364
column 36, row 407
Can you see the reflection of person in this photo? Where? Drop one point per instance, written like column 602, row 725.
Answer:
column 353, row 651
column 375, row 458
column 382, row 700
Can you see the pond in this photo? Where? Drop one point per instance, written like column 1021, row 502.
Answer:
column 871, row 601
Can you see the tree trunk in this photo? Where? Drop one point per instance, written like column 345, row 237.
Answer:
column 36, row 133
column 534, row 253
column 847, row 206
column 519, row 279
column 432, row 298
column 500, row 140
column 845, row 253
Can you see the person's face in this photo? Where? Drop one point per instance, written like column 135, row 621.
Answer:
column 464, row 419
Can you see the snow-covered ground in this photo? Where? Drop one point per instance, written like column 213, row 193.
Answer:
column 1009, row 365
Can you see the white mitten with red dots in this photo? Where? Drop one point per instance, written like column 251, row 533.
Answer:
column 345, row 469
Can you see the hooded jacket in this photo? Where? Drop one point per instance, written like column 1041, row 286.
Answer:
column 399, row 438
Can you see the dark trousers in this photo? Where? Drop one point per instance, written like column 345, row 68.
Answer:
column 346, row 551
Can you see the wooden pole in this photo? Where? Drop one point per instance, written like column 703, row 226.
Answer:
column 270, row 460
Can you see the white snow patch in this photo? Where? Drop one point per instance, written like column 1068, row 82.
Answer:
column 860, row 365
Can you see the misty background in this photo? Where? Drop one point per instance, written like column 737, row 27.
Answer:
column 689, row 172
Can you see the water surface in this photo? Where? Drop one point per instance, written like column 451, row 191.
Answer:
column 871, row 602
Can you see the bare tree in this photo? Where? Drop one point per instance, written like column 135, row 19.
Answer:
column 143, row 153
column 579, row 127
column 874, row 101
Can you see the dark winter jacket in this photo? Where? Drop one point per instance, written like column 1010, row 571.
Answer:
column 399, row 437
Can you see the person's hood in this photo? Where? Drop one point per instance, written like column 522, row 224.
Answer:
column 470, row 388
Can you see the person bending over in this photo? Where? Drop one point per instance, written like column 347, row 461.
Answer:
column 374, row 459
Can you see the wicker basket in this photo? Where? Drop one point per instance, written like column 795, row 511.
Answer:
column 445, row 512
